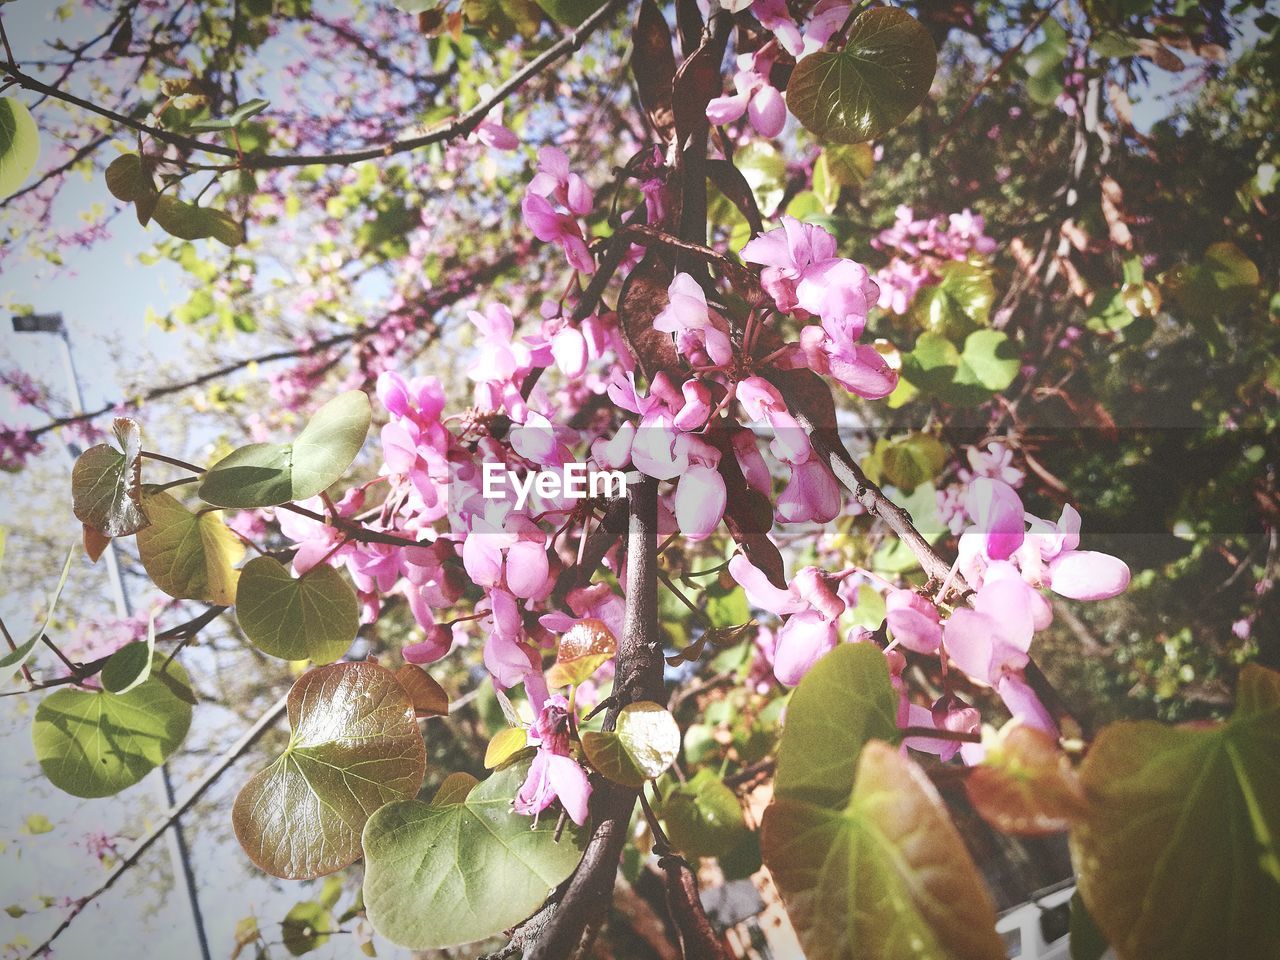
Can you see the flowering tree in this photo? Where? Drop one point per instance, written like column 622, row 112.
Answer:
column 747, row 431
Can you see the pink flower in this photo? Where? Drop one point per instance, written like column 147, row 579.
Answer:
column 695, row 328
column 812, row 611
column 754, row 96
column 913, row 620
column 700, row 495
column 553, row 775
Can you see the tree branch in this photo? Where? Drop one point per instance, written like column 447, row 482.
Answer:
column 639, row 677
column 457, row 127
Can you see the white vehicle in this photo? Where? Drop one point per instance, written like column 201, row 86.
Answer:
column 1039, row 928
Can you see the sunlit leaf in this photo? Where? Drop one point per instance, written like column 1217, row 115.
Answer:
column 19, row 145
column 96, row 744
column 454, row 788
column 884, row 874
column 912, row 460
column 444, row 873
column 642, row 746
column 844, row 701
column 188, row 555
column 312, row 617
column 506, row 743
column 958, row 305
column 267, row 474
column 250, row 108
column 1025, row 784
column 355, row 746
column 1178, row 856
column 870, row 86
column 106, row 488
column 584, row 649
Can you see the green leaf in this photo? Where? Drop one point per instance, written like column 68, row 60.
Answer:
column 189, row 556
column 97, row 744
column 1086, row 940
column 936, row 368
column 128, row 179
column 912, row 460
column 959, row 304
column 37, row 823
column 992, row 358
column 882, row 873
column 355, row 746
column 186, row 221
column 1178, row 856
column 106, row 483
column 703, row 817
column 872, row 85
column 14, row 659
column 844, row 701
column 441, row 874
column 305, row 927
column 250, row 108
column 268, row 474
column 571, row 13
column 641, row 747
column 131, row 664
column 313, row 617
column 19, row 145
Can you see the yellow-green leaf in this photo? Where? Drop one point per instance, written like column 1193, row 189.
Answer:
column 189, row 556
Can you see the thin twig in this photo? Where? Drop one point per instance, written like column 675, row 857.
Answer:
column 210, row 777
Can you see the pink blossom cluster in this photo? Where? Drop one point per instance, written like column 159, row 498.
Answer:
column 804, row 277
column 553, row 203
column 919, row 247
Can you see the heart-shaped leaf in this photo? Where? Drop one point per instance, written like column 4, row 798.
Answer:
column 106, row 491
column 268, row 474
column 312, row 617
column 355, row 746
column 642, row 745
column 584, row 649
column 1178, row 856
column 19, row 145
column 446, row 873
column 96, row 744
column 861, row 92
column 190, row 556
column 130, row 666
column 1026, row 785
column 128, row 179
column 703, row 817
column 844, row 701
column 884, row 874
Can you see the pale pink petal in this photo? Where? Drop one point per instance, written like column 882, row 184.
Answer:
column 570, row 783
column 1088, row 575
column 760, row 591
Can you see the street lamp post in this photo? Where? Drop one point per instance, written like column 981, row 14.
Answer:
column 179, row 852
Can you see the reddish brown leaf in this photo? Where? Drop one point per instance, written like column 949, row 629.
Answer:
column 643, row 297
column 429, row 698
column 654, row 64
column 1026, row 785
column 94, row 543
column 583, row 650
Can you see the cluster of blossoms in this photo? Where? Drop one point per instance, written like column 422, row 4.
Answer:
column 920, row 248
column 677, row 429
column 554, row 201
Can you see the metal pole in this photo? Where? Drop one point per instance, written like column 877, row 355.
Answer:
column 175, row 837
